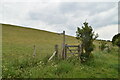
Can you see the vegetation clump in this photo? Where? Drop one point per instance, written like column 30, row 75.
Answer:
column 104, row 46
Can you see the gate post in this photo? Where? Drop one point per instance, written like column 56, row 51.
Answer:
column 65, row 51
column 79, row 51
column 63, row 47
column 81, row 48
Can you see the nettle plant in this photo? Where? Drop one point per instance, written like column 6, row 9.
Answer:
column 86, row 36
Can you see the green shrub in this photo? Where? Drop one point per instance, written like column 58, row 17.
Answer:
column 86, row 36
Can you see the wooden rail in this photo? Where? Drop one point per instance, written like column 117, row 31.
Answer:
column 71, row 45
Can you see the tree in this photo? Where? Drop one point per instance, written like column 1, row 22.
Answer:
column 86, row 36
column 116, row 40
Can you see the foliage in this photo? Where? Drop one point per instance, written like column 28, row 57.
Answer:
column 63, row 67
column 116, row 40
column 87, row 36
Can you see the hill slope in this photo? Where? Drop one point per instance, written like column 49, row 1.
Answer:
column 17, row 57
column 27, row 38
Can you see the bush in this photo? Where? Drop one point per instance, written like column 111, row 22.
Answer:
column 116, row 40
column 86, row 36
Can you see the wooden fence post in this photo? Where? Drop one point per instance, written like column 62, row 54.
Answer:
column 34, row 53
column 56, row 49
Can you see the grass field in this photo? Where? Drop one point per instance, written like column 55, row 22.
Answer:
column 18, row 61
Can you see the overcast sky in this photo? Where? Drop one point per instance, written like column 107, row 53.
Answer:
column 56, row 16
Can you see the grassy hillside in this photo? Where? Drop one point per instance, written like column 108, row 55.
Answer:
column 17, row 57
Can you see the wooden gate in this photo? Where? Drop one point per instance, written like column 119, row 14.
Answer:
column 77, row 49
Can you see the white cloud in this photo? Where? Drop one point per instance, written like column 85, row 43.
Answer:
column 104, row 18
column 59, row 16
column 107, row 32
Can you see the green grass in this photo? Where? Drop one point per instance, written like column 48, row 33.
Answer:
column 18, row 61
